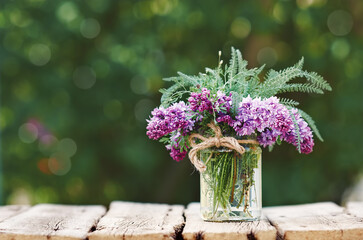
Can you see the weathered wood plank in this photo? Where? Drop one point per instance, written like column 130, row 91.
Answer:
column 11, row 210
column 355, row 208
column 196, row 228
column 48, row 221
column 127, row 220
column 317, row 221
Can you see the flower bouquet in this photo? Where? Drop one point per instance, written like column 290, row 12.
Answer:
column 222, row 117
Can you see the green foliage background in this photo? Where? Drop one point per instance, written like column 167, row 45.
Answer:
column 51, row 48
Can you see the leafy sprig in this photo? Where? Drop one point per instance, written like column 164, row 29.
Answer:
column 237, row 79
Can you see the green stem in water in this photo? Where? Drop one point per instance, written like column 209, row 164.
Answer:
column 234, row 175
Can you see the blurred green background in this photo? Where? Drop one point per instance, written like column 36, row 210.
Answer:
column 79, row 78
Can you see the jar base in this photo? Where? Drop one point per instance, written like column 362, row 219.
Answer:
column 234, row 214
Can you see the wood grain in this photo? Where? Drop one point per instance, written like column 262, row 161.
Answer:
column 48, row 221
column 11, row 210
column 196, row 228
column 317, row 221
column 127, row 220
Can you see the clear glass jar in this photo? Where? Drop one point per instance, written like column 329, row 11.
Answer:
column 230, row 187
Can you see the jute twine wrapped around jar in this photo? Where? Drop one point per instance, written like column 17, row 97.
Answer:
column 217, row 141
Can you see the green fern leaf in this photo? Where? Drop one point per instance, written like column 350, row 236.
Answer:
column 300, row 87
column 311, row 123
column 296, row 132
column 317, row 80
column 288, row 102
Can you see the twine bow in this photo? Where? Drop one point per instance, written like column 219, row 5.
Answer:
column 218, row 140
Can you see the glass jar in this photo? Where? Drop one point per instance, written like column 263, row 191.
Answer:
column 230, row 187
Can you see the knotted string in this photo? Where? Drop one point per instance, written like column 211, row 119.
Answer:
column 218, row 141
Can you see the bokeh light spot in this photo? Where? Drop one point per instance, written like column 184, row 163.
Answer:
column 97, row 5
column 195, row 19
column 101, row 67
column 112, row 109
column 304, row 20
column 20, row 196
column 19, row 19
column 67, row 147
column 43, row 166
column 139, row 85
column 303, row 4
column 39, row 54
column 84, row 77
column 2, row 20
column 59, row 164
column 67, row 12
column 353, row 68
column 6, row 116
column 279, row 13
column 340, row 22
column 241, row 27
column 48, row 144
column 90, row 28
column 143, row 109
column 340, row 48
column 267, row 56
column 143, row 10
column 28, row 133
column 162, row 7
column 23, row 90
column 74, row 187
column 45, row 194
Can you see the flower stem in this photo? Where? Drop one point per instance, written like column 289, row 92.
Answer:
column 234, row 175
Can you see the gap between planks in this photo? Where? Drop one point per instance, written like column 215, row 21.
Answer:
column 128, row 220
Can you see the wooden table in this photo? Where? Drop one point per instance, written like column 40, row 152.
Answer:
column 128, row 220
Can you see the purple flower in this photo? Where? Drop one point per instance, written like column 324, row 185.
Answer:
column 253, row 115
column 165, row 121
column 306, row 135
column 175, row 149
column 272, row 119
column 267, row 118
column 267, row 138
column 175, row 153
column 213, row 103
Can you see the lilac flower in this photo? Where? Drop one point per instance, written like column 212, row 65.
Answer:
column 267, row 118
column 225, row 118
column 175, row 153
column 253, row 115
column 217, row 103
column 306, row 135
column 267, row 138
column 165, row 121
column 272, row 120
column 200, row 101
column 174, row 147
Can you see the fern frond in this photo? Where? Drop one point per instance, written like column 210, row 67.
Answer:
column 296, row 132
column 317, row 80
column 166, row 97
column 215, row 76
column 233, row 64
column 311, row 123
column 299, row 87
column 300, row 63
column 236, row 99
column 276, row 80
column 242, row 64
column 288, row 102
column 189, row 80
